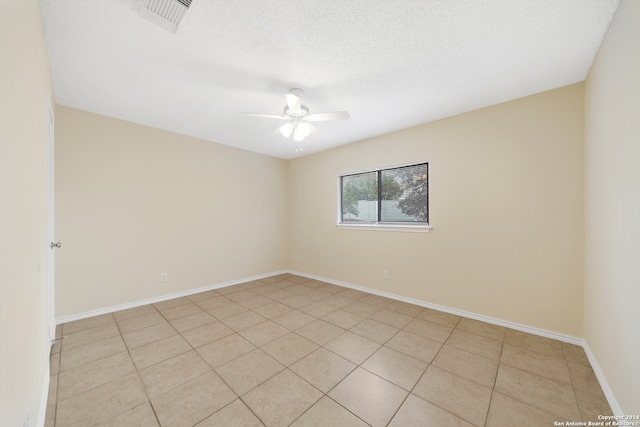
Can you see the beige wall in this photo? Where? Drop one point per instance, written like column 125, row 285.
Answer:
column 25, row 87
column 506, row 186
column 132, row 202
column 612, row 184
column 506, row 200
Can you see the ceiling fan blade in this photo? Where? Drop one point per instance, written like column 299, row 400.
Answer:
column 293, row 102
column 268, row 116
column 314, row 129
column 323, row 117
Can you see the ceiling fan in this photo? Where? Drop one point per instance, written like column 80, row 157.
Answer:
column 299, row 122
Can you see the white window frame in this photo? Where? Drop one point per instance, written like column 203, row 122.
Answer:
column 380, row 226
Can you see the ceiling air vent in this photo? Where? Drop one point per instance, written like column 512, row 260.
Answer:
column 165, row 13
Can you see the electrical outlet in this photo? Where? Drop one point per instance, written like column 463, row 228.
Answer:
column 385, row 274
column 163, row 277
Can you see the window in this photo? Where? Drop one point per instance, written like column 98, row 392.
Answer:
column 393, row 196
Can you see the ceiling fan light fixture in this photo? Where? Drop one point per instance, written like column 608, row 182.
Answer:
column 301, row 131
column 286, row 129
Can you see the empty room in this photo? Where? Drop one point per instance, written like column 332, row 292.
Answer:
column 416, row 213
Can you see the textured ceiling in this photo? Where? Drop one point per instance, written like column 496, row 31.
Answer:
column 390, row 64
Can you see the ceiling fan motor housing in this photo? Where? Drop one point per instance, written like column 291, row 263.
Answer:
column 304, row 111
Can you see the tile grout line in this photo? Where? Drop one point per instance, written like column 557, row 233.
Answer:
column 423, row 374
column 153, row 409
column 313, row 290
column 495, row 381
column 573, row 383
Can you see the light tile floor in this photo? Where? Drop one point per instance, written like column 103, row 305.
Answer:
column 291, row 351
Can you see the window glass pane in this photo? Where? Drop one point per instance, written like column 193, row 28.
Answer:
column 360, row 197
column 405, row 194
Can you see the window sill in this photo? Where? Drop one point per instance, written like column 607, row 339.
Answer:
column 386, row 227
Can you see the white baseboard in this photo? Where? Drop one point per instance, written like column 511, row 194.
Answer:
column 615, row 407
column 107, row 310
column 524, row 328
column 613, row 403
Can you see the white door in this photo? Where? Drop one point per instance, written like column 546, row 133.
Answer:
column 51, row 245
